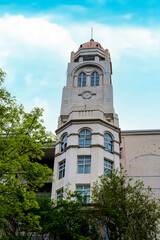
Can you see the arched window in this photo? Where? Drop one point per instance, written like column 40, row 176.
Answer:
column 85, row 138
column 94, row 79
column 64, row 143
column 108, row 142
column 82, row 80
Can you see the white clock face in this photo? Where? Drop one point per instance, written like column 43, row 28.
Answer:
column 86, row 95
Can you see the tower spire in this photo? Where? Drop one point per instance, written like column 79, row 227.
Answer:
column 92, row 34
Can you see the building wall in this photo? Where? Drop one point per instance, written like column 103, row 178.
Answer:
column 88, row 106
column 96, row 151
column 141, row 157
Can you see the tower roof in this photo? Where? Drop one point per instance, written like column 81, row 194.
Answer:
column 91, row 44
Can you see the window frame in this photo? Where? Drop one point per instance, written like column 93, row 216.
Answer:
column 59, row 193
column 82, row 80
column 108, row 142
column 84, row 192
column 85, row 137
column 84, row 163
column 64, row 142
column 95, row 79
column 61, row 169
column 108, row 167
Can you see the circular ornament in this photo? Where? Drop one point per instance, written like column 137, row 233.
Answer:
column 87, row 94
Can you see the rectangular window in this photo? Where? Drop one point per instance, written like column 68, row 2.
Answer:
column 84, row 190
column 60, row 194
column 89, row 58
column 108, row 167
column 84, row 164
column 62, row 169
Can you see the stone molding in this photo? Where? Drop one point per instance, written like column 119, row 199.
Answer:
column 87, row 121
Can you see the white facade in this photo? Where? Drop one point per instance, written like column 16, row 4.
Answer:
column 87, row 104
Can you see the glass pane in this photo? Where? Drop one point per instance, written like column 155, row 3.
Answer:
column 88, row 162
column 88, row 137
column 83, row 83
column 82, row 132
column 88, row 142
column 87, row 169
column 80, row 168
column 109, row 148
column 80, row 158
column 60, row 174
column 92, row 82
column 81, row 142
column 97, row 82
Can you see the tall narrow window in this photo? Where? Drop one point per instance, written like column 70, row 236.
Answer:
column 64, row 143
column 108, row 142
column 61, row 169
column 108, row 167
column 60, row 194
column 94, row 79
column 84, row 164
column 84, row 190
column 85, row 138
column 82, row 80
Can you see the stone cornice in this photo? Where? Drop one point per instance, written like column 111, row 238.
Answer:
column 92, row 146
column 87, row 121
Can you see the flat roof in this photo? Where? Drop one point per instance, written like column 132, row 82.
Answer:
column 141, row 132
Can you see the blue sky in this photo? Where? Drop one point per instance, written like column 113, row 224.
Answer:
column 36, row 38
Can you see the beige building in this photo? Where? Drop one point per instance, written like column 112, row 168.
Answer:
column 140, row 156
column 88, row 129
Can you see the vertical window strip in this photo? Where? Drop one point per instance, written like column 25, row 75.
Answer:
column 94, row 79
column 108, row 167
column 85, row 138
column 64, row 143
column 82, row 80
column 108, row 142
column 60, row 194
column 62, row 169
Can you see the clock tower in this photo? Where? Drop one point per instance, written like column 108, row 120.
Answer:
column 88, row 128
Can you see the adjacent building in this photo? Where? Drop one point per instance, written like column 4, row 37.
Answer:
column 140, row 156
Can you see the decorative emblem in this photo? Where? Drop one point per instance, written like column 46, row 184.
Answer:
column 87, row 94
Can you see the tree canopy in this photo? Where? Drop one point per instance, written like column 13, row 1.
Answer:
column 126, row 209
column 67, row 218
column 22, row 137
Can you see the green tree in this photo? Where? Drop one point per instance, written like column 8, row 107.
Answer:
column 22, row 136
column 126, row 209
column 67, row 218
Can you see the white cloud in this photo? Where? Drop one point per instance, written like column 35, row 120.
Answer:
column 20, row 34
column 136, row 41
column 35, row 52
column 34, row 32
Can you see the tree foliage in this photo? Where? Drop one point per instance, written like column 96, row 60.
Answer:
column 126, row 209
column 22, row 136
column 67, row 218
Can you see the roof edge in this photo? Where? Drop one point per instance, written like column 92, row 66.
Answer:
column 140, row 132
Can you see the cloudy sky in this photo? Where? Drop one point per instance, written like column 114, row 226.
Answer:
column 36, row 38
